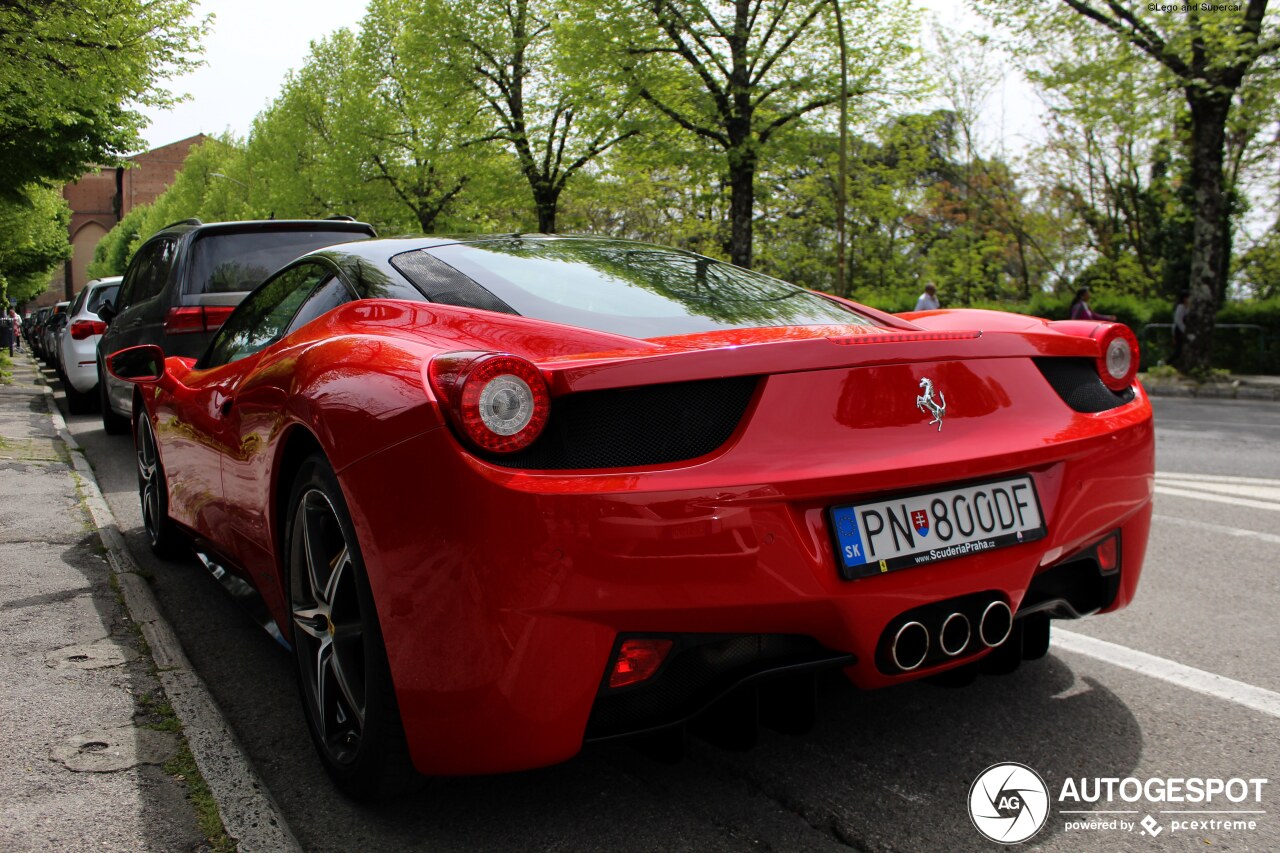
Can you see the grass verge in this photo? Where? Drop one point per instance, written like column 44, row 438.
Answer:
column 158, row 714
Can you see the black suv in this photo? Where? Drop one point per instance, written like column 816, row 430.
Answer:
column 185, row 280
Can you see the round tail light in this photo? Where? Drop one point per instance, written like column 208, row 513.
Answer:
column 1118, row 361
column 499, row 402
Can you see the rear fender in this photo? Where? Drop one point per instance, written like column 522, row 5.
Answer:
column 356, row 394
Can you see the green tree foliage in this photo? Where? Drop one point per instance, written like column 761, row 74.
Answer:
column 662, row 187
column 518, row 61
column 1221, row 60
column 405, row 120
column 1260, row 267
column 921, row 209
column 206, row 188
column 713, row 128
column 111, row 255
column 370, row 126
column 72, row 73
column 33, row 241
column 300, row 160
column 737, row 75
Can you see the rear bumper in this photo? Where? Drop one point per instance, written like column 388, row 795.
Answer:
column 501, row 594
column 79, row 362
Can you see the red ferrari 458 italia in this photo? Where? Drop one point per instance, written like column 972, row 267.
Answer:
column 501, row 496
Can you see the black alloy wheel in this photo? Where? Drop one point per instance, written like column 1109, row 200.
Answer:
column 343, row 674
column 153, row 492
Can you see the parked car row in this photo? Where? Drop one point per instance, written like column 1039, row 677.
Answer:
column 37, row 329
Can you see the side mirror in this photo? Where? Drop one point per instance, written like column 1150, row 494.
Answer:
column 107, row 311
column 142, row 365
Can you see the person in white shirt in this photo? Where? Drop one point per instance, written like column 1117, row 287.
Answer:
column 928, row 300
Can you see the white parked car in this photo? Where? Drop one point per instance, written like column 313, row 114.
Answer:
column 78, row 344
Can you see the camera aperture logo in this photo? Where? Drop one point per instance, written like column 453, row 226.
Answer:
column 1008, row 803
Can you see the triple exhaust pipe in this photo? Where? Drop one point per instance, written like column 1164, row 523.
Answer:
column 954, row 634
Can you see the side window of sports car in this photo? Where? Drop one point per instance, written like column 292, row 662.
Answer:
column 323, row 299
column 264, row 317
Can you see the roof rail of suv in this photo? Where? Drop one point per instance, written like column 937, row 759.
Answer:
column 191, row 221
column 340, row 217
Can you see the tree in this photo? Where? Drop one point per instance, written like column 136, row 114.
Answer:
column 518, row 59
column 33, row 241
column 300, row 160
column 1260, row 266
column 1208, row 54
column 409, row 133
column 369, row 126
column 111, row 255
column 740, row 73
column 72, row 73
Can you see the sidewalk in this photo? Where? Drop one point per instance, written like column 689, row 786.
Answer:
column 100, row 712
column 1232, row 387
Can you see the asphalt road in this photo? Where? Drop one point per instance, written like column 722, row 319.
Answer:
column 889, row 770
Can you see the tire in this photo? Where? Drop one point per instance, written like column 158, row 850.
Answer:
column 153, row 492
column 343, row 676
column 79, row 402
column 112, row 424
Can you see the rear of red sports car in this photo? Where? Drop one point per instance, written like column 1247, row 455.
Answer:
column 726, row 510
column 597, row 488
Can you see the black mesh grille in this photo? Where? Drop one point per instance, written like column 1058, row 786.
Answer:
column 698, row 670
column 1077, row 382
column 441, row 283
column 650, row 425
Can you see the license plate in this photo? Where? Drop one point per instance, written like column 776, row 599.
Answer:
column 872, row 538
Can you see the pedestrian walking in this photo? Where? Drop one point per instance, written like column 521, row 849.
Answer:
column 928, row 300
column 1180, row 325
column 1080, row 309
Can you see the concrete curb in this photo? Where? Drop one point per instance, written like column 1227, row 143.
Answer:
column 249, row 814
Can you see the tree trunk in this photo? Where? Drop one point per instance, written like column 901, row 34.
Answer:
column 1209, row 239
column 547, row 200
column 742, row 180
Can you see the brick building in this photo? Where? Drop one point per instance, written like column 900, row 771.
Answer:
column 102, row 198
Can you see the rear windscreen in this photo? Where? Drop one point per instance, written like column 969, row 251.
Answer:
column 95, row 296
column 631, row 289
column 102, row 295
column 228, row 263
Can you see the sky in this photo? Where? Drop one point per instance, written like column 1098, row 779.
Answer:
column 255, row 43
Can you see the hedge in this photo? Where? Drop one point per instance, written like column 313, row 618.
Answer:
column 1253, row 349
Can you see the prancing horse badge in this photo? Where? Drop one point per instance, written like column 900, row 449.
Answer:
column 926, row 402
